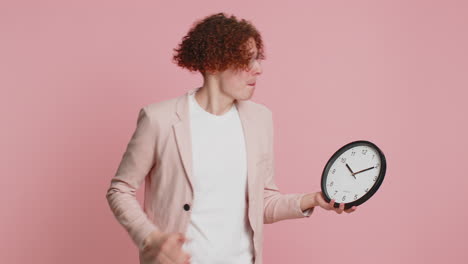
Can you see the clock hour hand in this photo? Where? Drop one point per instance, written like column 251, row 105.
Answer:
column 364, row 170
column 352, row 173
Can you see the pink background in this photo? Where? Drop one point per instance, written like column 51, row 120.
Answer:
column 73, row 76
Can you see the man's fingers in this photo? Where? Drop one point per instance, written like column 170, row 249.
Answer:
column 340, row 209
column 352, row 209
column 181, row 256
column 181, row 238
column 163, row 258
column 177, row 255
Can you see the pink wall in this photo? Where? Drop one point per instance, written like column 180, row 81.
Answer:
column 74, row 74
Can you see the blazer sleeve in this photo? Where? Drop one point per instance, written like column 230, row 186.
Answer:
column 137, row 161
column 278, row 206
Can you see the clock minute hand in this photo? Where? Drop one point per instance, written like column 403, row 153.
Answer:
column 364, row 170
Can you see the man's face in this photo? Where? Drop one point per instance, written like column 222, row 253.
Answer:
column 236, row 83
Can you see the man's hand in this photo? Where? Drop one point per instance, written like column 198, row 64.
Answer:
column 316, row 199
column 329, row 206
column 166, row 248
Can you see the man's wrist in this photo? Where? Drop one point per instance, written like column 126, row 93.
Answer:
column 308, row 201
column 155, row 234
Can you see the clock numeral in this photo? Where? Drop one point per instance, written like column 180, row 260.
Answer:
column 331, row 183
column 335, row 192
column 366, row 190
column 355, row 197
column 373, row 156
column 344, row 198
column 333, row 171
column 364, row 151
column 377, row 166
column 343, row 160
column 353, row 153
column 375, row 178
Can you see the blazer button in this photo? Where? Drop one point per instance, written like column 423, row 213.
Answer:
column 186, row 207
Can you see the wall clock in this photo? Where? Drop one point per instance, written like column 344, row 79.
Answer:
column 353, row 174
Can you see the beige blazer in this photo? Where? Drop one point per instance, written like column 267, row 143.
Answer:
column 159, row 152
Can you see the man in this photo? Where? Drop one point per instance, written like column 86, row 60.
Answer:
column 207, row 159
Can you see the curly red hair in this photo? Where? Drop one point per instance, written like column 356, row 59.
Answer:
column 217, row 43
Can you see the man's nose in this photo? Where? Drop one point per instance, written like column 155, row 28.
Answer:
column 258, row 69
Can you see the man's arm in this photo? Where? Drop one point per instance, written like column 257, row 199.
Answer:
column 136, row 162
column 278, row 206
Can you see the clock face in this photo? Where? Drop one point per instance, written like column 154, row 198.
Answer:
column 354, row 173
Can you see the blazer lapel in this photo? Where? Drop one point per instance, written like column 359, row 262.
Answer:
column 248, row 126
column 182, row 135
column 184, row 143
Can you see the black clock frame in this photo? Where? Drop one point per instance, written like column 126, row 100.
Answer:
column 375, row 187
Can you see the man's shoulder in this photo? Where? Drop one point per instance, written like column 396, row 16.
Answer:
column 162, row 112
column 162, row 106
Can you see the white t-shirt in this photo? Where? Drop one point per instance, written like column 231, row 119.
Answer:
column 218, row 228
